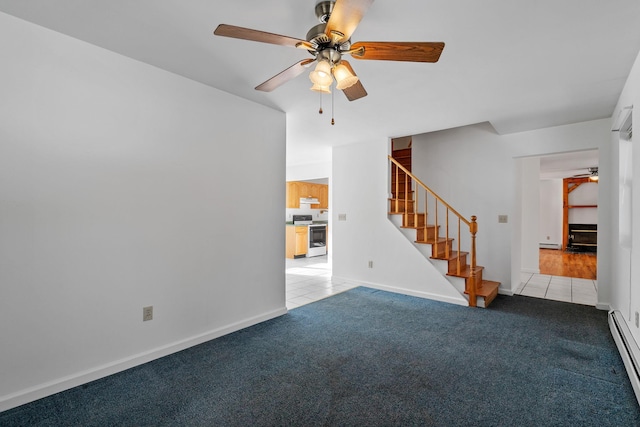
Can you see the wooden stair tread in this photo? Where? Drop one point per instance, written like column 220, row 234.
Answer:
column 488, row 290
column 452, row 256
column 487, row 287
column 401, row 195
column 418, row 227
column 440, row 240
column 465, row 271
column 401, row 152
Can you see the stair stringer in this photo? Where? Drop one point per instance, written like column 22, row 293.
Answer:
column 458, row 283
column 455, row 284
column 431, row 283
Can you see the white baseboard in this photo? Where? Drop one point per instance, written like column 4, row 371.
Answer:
column 46, row 389
column 531, row 270
column 404, row 291
column 628, row 348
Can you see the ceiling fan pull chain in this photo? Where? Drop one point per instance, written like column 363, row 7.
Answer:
column 320, row 111
column 333, row 122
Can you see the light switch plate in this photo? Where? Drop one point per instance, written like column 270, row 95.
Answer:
column 503, row 219
column 147, row 313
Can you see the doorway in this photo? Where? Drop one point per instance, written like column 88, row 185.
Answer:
column 567, row 253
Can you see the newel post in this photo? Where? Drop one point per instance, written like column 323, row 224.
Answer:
column 473, row 229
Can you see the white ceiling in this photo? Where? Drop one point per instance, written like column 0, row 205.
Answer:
column 567, row 165
column 518, row 64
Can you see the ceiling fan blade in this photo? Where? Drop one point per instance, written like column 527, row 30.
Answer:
column 281, row 78
column 256, row 35
column 398, row 51
column 345, row 17
column 355, row 91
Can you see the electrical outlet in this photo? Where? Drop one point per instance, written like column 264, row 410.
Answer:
column 147, row 313
column 370, row 264
column 503, row 219
column 342, row 217
column 637, row 320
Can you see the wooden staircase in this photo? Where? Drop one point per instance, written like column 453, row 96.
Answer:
column 417, row 204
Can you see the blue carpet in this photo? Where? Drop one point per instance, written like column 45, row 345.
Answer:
column 368, row 357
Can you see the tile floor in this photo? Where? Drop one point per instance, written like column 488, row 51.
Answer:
column 559, row 288
column 309, row 279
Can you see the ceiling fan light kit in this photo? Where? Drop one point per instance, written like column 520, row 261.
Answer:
column 320, row 88
column 322, row 74
column 328, row 42
column 343, row 76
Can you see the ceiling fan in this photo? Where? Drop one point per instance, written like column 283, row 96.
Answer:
column 328, row 42
column 592, row 174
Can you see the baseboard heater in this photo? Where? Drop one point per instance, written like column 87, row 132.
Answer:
column 628, row 348
column 549, row 246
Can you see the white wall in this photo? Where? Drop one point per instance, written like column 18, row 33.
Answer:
column 551, row 195
column 474, row 169
column 118, row 190
column 551, row 211
column 530, row 214
column 625, row 290
column 360, row 190
column 308, row 172
column 586, row 194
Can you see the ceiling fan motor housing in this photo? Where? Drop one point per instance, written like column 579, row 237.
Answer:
column 317, row 37
column 324, row 9
column 331, row 55
column 329, row 47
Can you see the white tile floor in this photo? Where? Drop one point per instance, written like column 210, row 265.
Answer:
column 558, row 288
column 309, row 279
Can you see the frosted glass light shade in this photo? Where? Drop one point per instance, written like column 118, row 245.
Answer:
column 322, row 74
column 344, row 77
column 319, row 88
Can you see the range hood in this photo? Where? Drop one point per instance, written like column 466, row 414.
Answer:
column 309, row 201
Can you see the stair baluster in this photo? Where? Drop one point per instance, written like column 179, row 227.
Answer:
column 474, row 285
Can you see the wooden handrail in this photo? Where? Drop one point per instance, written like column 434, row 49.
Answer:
column 472, row 224
column 433, row 193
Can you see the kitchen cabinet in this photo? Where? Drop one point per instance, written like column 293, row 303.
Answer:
column 297, row 241
column 293, row 194
column 323, row 197
column 298, row 189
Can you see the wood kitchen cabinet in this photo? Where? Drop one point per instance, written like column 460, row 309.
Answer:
column 323, row 197
column 293, row 194
column 297, row 241
column 298, row 189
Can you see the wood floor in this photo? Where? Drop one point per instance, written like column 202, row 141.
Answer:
column 558, row 263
